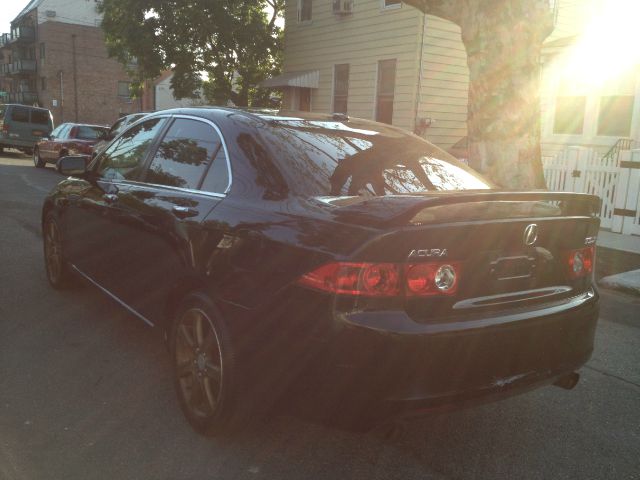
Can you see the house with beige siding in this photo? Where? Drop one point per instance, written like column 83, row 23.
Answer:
column 376, row 59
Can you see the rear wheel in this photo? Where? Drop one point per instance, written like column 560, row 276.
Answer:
column 58, row 272
column 37, row 161
column 205, row 376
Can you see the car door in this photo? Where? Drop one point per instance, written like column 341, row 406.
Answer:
column 95, row 219
column 46, row 147
column 161, row 215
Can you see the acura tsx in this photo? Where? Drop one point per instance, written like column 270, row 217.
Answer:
column 329, row 254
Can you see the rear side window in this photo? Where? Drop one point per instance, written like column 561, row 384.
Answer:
column 20, row 114
column 123, row 159
column 328, row 158
column 185, row 154
column 86, row 132
column 40, row 117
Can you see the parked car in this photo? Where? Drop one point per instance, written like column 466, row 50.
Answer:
column 22, row 126
column 67, row 139
column 323, row 254
column 116, row 128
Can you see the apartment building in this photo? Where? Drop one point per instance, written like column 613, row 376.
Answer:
column 55, row 57
column 376, row 59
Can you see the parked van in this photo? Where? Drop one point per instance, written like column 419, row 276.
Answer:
column 22, row 126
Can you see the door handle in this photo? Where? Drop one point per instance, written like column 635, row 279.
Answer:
column 110, row 198
column 184, row 212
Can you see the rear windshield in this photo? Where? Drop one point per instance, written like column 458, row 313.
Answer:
column 86, row 132
column 40, row 117
column 330, row 158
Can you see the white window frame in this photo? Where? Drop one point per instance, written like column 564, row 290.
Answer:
column 384, row 6
column 300, row 21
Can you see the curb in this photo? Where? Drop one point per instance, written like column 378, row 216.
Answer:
column 628, row 282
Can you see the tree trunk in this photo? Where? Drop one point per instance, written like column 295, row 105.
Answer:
column 503, row 39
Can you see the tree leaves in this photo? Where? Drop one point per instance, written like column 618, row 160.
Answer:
column 235, row 43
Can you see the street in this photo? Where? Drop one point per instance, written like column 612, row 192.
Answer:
column 86, row 392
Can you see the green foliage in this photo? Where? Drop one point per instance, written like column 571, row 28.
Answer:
column 235, row 43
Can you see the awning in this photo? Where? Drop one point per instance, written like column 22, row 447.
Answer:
column 303, row 79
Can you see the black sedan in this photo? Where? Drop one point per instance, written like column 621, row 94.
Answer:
column 345, row 259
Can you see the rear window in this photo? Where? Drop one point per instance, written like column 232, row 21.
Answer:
column 40, row 117
column 20, row 114
column 329, row 158
column 86, row 132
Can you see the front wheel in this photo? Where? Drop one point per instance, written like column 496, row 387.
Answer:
column 205, row 373
column 37, row 161
column 58, row 272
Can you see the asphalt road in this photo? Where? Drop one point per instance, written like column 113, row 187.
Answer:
column 85, row 393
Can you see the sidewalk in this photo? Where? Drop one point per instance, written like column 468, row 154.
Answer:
column 618, row 262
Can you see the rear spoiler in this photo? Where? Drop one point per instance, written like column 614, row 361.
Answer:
column 401, row 209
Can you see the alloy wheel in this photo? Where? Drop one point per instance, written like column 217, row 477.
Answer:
column 198, row 363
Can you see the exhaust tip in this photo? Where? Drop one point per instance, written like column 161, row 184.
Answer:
column 568, row 382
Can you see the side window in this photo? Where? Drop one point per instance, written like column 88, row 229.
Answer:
column 217, row 179
column 184, row 155
column 123, row 159
column 20, row 114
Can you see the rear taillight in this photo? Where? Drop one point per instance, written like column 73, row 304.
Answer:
column 385, row 279
column 5, row 127
column 580, row 262
column 425, row 279
column 370, row 279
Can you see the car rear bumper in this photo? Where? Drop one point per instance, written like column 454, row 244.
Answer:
column 385, row 362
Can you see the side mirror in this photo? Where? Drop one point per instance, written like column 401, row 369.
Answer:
column 75, row 165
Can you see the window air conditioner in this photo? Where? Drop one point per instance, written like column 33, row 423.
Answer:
column 342, row 7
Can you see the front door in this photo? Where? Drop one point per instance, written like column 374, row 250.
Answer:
column 97, row 215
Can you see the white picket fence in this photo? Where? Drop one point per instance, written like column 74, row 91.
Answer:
column 615, row 180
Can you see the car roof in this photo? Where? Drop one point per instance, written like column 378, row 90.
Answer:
column 25, row 106
column 275, row 116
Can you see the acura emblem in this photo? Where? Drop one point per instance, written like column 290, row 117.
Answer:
column 530, row 234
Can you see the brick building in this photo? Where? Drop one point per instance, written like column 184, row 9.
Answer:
column 55, row 57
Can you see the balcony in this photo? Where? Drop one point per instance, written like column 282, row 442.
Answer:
column 23, row 34
column 5, row 38
column 27, row 98
column 23, row 67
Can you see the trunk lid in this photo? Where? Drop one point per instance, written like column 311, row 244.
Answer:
column 512, row 247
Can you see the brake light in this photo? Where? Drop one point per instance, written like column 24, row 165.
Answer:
column 385, row 279
column 580, row 261
column 369, row 279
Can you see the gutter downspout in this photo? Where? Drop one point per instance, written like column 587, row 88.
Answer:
column 420, row 65
column 75, row 77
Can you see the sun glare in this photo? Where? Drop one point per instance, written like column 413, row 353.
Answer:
column 607, row 49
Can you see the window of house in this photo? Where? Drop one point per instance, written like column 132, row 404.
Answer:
column 391, row 3
column 184, row 155
column 340, row 88
column 42, row 54
column 385, row 90
column 569, row 119
column 124, row 89
column 304, row 10
column 614, row 118
column 43, row 83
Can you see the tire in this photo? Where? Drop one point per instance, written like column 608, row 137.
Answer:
column 58, row 272
column 37, row 161
column 204, row 369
